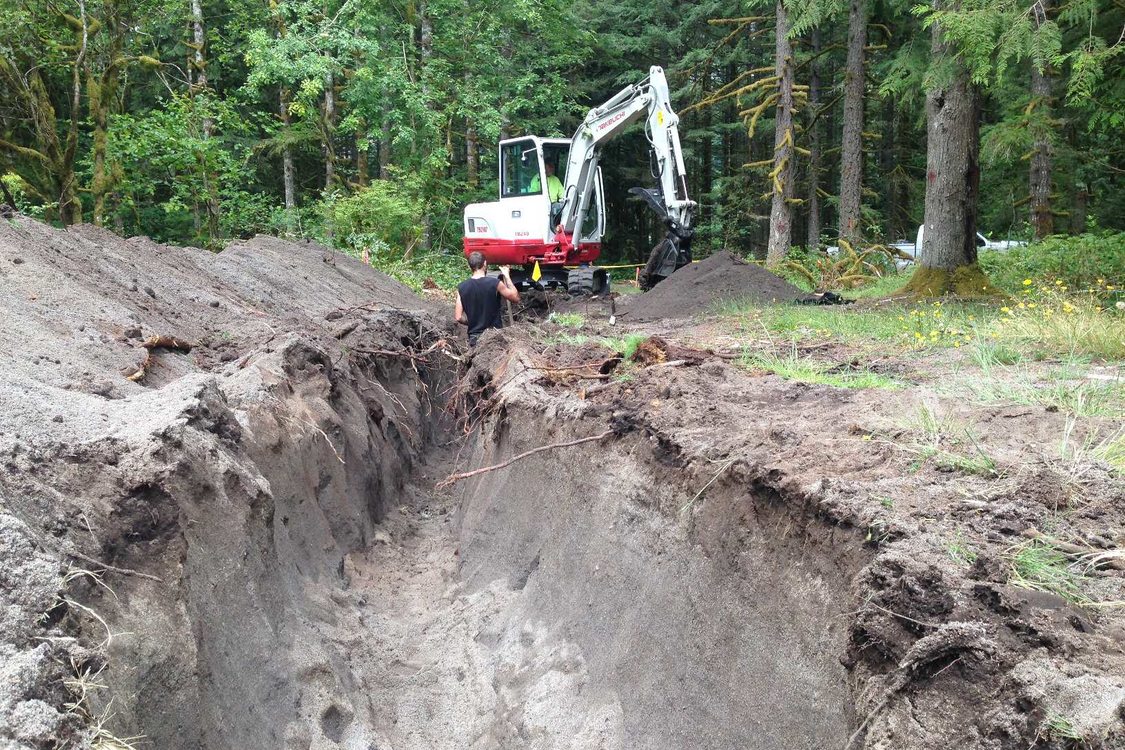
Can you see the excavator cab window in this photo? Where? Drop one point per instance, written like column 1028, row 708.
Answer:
column 519, row 166
column 556, row 155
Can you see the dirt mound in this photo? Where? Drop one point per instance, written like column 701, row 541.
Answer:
column 696, row 289
column 193, row 443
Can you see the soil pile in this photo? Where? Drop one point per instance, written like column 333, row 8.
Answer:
column 695, row 289
column 192, row 444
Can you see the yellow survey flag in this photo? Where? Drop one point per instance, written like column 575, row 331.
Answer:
column 535, row 273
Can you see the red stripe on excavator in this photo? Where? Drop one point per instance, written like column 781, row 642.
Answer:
column 522, row 253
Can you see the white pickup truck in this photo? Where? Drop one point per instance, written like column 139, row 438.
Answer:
column 914, row 249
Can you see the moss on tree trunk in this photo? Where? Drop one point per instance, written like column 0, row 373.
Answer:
column 964, row 281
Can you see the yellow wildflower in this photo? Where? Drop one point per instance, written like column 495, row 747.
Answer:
column 1027, row 282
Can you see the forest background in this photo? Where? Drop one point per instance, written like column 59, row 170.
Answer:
column 369, row 125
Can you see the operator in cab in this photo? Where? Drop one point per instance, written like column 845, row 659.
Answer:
column 478, row 297
column 554, row 184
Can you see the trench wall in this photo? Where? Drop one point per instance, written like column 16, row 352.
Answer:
column 710, row 624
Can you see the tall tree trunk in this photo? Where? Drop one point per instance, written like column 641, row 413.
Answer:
column 851, row 145
column 1078, row 208
column 1039, row 178
column 384, row 149
column 328, row 144
column 426, row 47
column 70, row 204
column 781, row 210
column 288, row 169
column 812, row 238
column 886, row 168
column 102, row 96
column 949, row 251
column 362, row 158
column 199, row 64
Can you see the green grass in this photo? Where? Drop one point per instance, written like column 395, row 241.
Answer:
column 1059, row 727
column 990, row 354
column 883, row 287
column 1112, row 451
column 1017, row 386
column 792, row 366
column 1040, row 566
column 567, row 320
column 799, row 322
column 959, row 551
column 626, row 346
column 938, row 432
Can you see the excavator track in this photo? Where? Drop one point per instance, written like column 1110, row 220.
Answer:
column 587, row 281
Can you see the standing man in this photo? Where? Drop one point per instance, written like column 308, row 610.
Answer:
column 478, row 298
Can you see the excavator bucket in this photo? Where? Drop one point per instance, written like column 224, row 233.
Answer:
column 670, row 254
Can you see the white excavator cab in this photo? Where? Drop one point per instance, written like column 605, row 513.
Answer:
column 536, row 167
column 520, row 229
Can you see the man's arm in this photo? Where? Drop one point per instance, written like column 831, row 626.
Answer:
column 459, row 312
column 506, row 288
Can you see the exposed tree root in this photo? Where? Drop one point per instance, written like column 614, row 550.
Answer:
column 151, row 344
column 454, row 478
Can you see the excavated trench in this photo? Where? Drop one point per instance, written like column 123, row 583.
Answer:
column 329, row 596
column 278, row 567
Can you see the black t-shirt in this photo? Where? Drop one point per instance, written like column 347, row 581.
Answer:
column 481, row 302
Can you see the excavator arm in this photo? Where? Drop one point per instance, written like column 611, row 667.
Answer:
column 648, row 99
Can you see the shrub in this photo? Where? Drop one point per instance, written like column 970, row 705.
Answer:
column 383, row 219
column 1078, row 262
column 447, row 271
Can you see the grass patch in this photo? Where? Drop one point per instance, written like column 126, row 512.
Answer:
column 800, row 322
column 882, row 287
column 1050, row 321
column 567, row 320
column 1040, row 566
column 626, row 346
column 1112, row 451
column 1082, row 399
column 959, row 551
column 936, row 434
column 792, row 366
column 991, row 354
column 1057, row 726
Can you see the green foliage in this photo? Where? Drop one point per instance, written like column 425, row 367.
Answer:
column 167, row 169
column 1078, row 262
column 380, row 219
column 446, row 271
